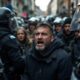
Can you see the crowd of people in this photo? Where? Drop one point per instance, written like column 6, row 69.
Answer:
column 44, row 49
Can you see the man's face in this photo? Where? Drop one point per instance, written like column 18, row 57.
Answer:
column 42, row 38
column 32, row 28
column 67, row 28
column 58, row 28
column 77, row 34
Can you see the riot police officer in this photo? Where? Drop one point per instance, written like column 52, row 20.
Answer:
column 9, row 48
column 75, row 27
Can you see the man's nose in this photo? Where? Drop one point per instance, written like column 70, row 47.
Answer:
column 40, row 36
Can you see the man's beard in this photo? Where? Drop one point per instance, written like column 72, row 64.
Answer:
column 40, row 48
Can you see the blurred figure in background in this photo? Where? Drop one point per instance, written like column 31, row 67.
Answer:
column 68, row 35
column 32, row 22
column 75, row 26
column 22, row 38
column 9, row 5
column 76, row 54
column 14, row 64
column 58, row 27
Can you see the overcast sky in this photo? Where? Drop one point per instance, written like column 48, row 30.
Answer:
column 42, row 4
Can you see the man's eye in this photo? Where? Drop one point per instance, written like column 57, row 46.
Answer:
column 44, row 34
column 40, row 33
column 36, row 34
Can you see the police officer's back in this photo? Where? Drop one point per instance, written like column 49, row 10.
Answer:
column 9, row 48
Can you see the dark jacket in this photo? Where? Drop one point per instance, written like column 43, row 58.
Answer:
column 68, row 39
column 76, row 51
column 24, row 46
column 76, row 56
column 9, row 53
column 55, row 64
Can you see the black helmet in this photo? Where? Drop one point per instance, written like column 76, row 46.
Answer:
column 6, row 16
column 67, row 21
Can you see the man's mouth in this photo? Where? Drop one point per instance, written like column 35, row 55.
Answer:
column 40, row 45
column 40, row 42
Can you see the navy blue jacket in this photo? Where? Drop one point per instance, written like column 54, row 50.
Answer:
column 55, row 64
column 10, row 55
column 10, row 52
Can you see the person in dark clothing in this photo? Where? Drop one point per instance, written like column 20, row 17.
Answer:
column 1, row 70
column 23, row 41
column 58, row 27
column 76, row 54
column 9, row 48
column 68, row 35
column 47, row 59
column 31, row 27
column 22, row 37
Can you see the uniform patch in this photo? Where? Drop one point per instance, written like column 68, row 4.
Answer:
column 12, row 37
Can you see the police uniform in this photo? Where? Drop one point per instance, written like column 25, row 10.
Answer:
column 9, row 48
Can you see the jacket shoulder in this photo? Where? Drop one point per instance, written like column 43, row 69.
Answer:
column 61, row 53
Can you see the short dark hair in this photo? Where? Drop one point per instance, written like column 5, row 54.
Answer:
column 45, row 25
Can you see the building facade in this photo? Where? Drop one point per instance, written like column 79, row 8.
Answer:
column 62, row 6
column 19, row 5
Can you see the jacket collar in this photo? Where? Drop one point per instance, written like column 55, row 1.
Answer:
column 50, row 53
column 45, row 59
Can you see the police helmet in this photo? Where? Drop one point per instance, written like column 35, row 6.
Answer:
column 57, row 21
column 6, row 20
column 5, row 14
column 33, row 21
column 67, row 21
